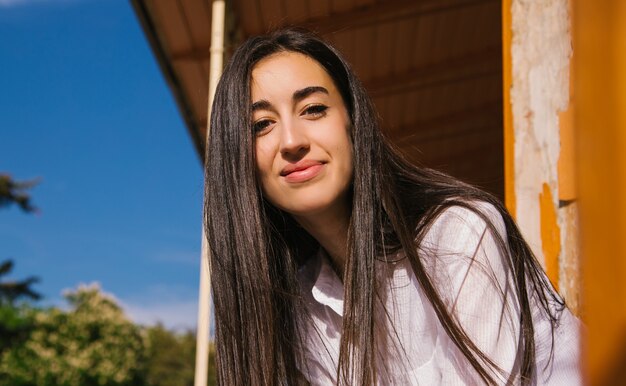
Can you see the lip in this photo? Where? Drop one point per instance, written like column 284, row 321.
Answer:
column 302, row 171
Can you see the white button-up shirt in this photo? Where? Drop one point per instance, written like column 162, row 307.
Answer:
column 464, row 262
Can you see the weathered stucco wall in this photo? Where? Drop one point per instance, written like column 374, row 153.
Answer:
column 541, row 50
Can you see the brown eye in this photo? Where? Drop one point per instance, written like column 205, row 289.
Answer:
column 315, row 111
column 261, row 125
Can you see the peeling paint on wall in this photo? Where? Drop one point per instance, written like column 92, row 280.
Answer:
column 541, row 49
column 550, row 235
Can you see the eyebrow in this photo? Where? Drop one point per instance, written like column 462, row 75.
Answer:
column 298, row 95
column 261, row 105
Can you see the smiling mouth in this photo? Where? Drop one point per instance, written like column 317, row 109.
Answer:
column 302, row 173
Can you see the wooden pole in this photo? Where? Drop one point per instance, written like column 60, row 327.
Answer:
column 204, row 301
column 507, row 81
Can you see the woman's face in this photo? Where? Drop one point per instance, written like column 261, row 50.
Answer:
column 303, row 147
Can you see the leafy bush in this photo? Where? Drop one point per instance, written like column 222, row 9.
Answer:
column 91, row 344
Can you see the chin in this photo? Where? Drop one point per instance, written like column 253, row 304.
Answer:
column 306, row 209
column 311, row 203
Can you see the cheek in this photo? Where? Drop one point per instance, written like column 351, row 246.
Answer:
column 348, row 162
column 264, row 161
column 343, row 147
column 348, row 150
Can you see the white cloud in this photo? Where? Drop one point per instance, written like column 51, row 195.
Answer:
column 176, row 307
column 176, row 315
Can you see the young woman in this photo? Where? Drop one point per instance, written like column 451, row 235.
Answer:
column 335, row 261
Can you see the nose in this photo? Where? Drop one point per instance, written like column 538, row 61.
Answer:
column 294, row 142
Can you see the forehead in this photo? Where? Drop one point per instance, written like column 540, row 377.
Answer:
column 287, row 71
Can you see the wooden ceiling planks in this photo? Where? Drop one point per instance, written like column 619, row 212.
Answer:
column 445, row 125
column 433, row 67
column 342, row 6
column 401, row 61
column 362, row 61
column 344, row 41
column 382, row 49
column 319, row 9
column 196, row 14
column 296, row 11
column 272, row 14
column 363, row 3
column 248, row 14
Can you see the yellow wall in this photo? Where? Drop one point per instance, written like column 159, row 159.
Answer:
column 600, row 126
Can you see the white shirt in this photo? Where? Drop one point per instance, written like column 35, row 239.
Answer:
column 465, row 264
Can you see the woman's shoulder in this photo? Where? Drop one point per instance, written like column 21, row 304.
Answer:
column 465, row 249
column 461, row 228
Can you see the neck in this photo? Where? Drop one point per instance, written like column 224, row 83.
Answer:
column 330, row 229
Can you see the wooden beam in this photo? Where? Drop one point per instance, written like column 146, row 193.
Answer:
column 509, row 132
column 218, row 17
column 383, row 12
column 457, row 122
column 473, row 65
column 200, row 54
column 379, row 12
column 233, row 37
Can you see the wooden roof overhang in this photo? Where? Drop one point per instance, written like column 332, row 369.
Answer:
column 432, row 67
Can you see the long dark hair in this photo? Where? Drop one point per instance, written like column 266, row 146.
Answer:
column 256, row 249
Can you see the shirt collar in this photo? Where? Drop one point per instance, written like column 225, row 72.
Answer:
column 328, row 288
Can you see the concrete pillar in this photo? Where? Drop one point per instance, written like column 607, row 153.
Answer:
column 538, row 171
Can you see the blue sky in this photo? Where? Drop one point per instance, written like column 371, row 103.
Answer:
column 84, row 107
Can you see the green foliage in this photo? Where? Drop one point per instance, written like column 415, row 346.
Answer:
column 212, row 378
column 14, row 192
column 170, row 357
column 11, row 290
column 91, row 344
column 16, row 321
column 16, row 324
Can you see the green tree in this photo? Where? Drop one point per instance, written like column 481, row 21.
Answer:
column 171, row 357
column 15, row 192
column 11, row 290
column 91, row 344
column 16, row 324
column 16, row 321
